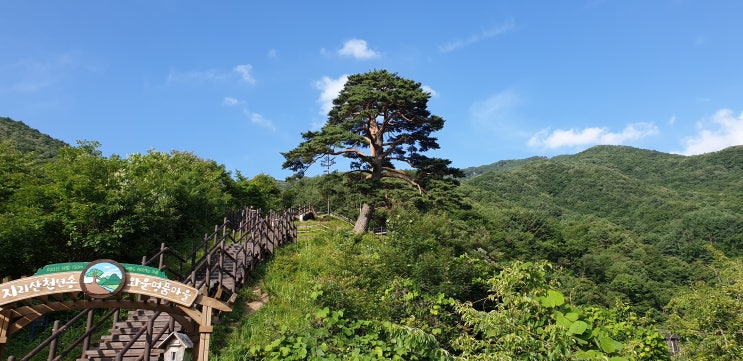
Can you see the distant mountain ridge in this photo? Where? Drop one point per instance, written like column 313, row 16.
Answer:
column 650, row 193
column 28, row 140
column 500, row 166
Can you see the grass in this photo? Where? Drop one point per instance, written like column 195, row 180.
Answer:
column 289, row 278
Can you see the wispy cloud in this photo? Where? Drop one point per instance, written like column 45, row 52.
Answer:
column 246, row 73
column 259, row 120
column 231, row 102
column 495, row 111
column 195, row 76
column 722, row 130
column 329, row 90
column 243, row 71
column 357, row 48
column 476, row 38
column 32, row 75
column 255, row 118
column 566, row 138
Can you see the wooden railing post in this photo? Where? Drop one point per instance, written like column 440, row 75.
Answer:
column 53, row 344
column 86, row 340
column 148, row 338
column 161, row 261
column 4, row 324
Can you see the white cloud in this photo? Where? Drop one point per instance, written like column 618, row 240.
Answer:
column 259, row 120
column 230, row 101
column 246, row 73
column 590, row 136
column 430, row 90
column 725, row 130
column 272, row 54
column 329, row 90
column 358, row 49
column 476, row 38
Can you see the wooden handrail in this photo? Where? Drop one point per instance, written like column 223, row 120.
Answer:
column 86, row 334
column 55, row 335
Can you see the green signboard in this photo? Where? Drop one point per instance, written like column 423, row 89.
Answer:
column 79, row 266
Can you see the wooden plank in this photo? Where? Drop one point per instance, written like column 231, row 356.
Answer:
column 214, row 303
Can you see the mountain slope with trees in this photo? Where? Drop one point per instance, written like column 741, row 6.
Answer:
column 28, row 140
column 651, row 194
column 627, row 223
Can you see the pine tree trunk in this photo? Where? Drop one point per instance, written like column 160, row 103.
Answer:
column 362, row 223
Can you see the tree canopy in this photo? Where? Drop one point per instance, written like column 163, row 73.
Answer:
column 379, row 121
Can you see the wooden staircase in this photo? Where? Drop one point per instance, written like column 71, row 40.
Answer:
column 122, row 333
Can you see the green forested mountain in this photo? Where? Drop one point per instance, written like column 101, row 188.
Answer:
column 28, row 140
column 626, row 222
column 653, row 194
column 585, row 256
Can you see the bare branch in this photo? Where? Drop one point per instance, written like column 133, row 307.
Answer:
column 394, row 173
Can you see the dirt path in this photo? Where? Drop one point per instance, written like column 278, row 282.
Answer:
column 253, row 306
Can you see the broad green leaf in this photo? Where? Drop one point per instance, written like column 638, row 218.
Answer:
column 608, row 345
column 553, row 299
column 577, row 328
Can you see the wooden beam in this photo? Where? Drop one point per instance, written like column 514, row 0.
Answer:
column 204, row 335
column 213, row 303
column 21, row 314
column 4, row 324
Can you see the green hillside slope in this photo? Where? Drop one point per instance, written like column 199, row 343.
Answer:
column 645, row 191
column 500, row 166
column 29, row 140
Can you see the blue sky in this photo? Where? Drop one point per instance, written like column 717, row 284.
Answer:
column 238, row 81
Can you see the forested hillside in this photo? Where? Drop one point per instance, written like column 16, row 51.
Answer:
column 29, row 140
column 632, row 221
column 596, row 255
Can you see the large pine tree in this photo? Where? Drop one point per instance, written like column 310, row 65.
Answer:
column 379, row 121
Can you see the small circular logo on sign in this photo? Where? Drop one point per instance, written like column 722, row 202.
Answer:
column 102, row 278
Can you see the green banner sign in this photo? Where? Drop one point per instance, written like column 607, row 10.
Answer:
column 79, row 266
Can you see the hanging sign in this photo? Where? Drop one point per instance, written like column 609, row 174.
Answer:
column 99, row 279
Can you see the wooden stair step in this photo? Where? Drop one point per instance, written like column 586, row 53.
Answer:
column 124, row 358
column 139, row 324
column 117, row 345
column 133, row 330
column 113, row 353
column 119, row 337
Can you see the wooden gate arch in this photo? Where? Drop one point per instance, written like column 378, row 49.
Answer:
column 133, row 287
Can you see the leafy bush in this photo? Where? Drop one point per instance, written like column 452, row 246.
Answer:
column 530, row 320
